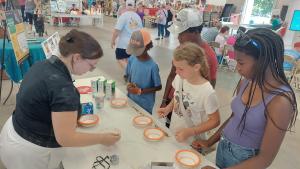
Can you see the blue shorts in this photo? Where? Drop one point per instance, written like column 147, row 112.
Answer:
column 230, row 154
column 121, row 54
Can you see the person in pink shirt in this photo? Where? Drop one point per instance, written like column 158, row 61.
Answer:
column 231, row 41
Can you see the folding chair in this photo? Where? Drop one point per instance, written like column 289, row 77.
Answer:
column 225, row 60
column 295, row 75
column 288, row 67
column 215, row 46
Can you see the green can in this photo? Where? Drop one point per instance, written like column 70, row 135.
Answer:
column 110, row 89
column 94, row 86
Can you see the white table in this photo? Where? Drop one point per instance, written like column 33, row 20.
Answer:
column 133, row 150
column 84, row 17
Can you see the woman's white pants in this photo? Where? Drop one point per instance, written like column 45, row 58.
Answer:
column 18, row 153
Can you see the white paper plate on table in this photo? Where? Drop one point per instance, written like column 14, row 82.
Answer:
column 88, row 120
column 142, row 121
column 118, row 102
column 188, row 158
column 153, row 134
column 84, row 89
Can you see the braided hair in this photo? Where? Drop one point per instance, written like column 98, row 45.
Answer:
column 267, row 48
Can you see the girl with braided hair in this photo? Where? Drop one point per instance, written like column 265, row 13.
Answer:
column 263, row 109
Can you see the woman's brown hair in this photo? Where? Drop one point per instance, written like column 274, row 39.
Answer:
column 81, row 43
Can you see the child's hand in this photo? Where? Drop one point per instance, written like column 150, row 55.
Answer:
column 184, row 134
column 197, row 144
column 130, row 85
column 133, row 89
column 162, row 112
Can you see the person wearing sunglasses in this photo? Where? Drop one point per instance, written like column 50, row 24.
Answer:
column 48, row 106
column 264, row 107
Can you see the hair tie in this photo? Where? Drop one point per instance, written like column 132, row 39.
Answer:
column 69, row 39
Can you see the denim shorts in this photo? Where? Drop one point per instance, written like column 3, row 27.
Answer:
column 230, row 154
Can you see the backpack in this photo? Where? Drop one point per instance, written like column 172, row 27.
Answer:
column 170, row 16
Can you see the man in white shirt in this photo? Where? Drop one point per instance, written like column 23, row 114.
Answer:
column 127, row 23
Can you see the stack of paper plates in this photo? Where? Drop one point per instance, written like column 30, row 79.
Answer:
column 118, row 102
column 153, row 134
column 142, row 121
column 84, row 89
column 88, row 120
column 188, row 158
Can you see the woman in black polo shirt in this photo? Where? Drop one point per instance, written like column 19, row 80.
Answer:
column 47, row 108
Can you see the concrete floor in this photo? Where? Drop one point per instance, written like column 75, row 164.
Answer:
column 162, row 54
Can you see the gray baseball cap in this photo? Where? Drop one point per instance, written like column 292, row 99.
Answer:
column 187, row 18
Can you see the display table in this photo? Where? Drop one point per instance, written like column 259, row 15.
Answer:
column 133, row 150
column 85, row 19
column 12, row 68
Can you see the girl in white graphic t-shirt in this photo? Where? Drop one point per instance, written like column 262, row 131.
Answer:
column 195, row 104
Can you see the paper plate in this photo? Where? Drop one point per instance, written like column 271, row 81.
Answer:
column 88, row 120
column 118, row 102
column 142, row 121
column 153, row 134
column 187, row 158
column 84, row 89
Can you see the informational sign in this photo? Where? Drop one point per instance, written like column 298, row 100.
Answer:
column 16, row 30
column 77, row 3
column 295, row 24
column 53, row 6
column 50, row 45
column 62, row 6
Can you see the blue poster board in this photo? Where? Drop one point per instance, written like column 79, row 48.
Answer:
column 295, row 24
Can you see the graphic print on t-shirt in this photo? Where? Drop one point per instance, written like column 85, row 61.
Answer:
column 133, row 24
column 176, row 105
column 187, row 103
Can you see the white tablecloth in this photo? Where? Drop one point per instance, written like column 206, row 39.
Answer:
column 133, row 150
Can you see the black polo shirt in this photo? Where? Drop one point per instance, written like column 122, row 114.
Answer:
column 47, row 87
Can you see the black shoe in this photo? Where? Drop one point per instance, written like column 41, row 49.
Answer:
column 157, row 38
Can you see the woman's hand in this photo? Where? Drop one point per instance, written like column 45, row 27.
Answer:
column 184, row 134
column 109, row 139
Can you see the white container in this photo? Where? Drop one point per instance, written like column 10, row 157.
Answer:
column 99, row 101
